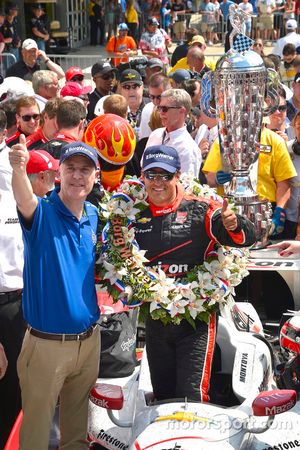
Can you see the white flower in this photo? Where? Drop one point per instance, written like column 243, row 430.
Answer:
column 139, row 256
column 217, row 297
column 186, row 290
column 163, row 284
column 177, row 307
column 128, row 234
column 154, row 305
column 112, row 273
column 195, row 308
column 128, row 292
column 122, row 208
column 205, row 283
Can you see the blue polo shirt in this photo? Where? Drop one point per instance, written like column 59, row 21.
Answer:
column 59, row 251
column 225, row 9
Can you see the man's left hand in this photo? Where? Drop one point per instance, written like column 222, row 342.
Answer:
column 229, row 218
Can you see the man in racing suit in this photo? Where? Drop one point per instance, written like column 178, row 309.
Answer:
column 178, row 231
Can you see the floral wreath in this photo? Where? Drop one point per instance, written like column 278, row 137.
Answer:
column 122, row 273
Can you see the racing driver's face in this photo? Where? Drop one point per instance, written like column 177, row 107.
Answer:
column 161, row 186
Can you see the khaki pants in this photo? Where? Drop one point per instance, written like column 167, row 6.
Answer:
column 49, row 370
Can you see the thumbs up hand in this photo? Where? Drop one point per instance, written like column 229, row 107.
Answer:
column 19, row 156
column 229, row 218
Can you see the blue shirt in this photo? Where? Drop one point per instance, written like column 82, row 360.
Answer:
column 59, row 251
column 225, row 8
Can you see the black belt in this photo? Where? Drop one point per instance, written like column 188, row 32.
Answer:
column 63, row 337
column 6, row 297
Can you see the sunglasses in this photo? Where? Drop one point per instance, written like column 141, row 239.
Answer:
column 28, row 117
column 106, row 76
column 130, row 86
column 151, row 176
column 282, row 108
column 78, row 78
column 165, row 109
column 257, row 45
column 153, row 97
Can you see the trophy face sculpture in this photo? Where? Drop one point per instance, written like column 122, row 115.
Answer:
column 241, row 86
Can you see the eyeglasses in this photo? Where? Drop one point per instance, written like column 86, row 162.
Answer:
column 165, row 109
column 28, row 117
column 151, row 176
column 77, row 78
column 153, row 97
column 282, row 108
column 130, row 86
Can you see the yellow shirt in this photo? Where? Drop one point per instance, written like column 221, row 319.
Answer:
column 131, row 15
column 90, row 8
column 182, row 64
column 274, row 164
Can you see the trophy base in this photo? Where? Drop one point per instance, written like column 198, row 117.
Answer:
column 240, row 187
column 259, row 212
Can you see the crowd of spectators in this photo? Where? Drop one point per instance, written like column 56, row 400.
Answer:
column 267, row 18
column 44, row 108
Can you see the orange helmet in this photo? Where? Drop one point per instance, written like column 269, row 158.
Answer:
column 113, row 137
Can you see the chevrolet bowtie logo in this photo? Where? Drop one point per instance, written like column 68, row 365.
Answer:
column 130, row 75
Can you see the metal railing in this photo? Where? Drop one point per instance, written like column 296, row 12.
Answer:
column 83, row 61
column 6, row 60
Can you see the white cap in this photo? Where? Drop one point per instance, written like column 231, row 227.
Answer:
column 28, row 44
column 291, row 24
column 15, row 87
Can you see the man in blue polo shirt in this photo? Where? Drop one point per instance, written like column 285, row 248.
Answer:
column 60, row 352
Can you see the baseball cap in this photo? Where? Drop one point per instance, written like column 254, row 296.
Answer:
column 73, row 71
column 198, row 38
column 123, row 27
column 162, row 157
column 152, row 21
column 11, row 5
column 74, row 89
column 155, row 62
column 40, row 160
column 291, row 24
column 28, row 44
column 100, row 68
column 79, row 148
column 180, row 75
column 131, row 76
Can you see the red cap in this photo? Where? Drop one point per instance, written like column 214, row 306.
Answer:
column 40, row 160
column 74, row 89
column 72, row 72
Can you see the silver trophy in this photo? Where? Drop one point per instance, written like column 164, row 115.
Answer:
column 240, row 87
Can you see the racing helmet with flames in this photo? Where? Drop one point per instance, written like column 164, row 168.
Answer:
column 290, row 335
column 112, row 137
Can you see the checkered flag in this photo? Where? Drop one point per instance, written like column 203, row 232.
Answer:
column 242, row 43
